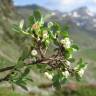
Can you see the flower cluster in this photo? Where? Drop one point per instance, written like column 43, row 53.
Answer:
column 53, row 49
column 80, row 68
column 66, row 43
column 49, row 76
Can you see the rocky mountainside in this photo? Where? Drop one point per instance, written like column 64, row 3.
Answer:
column 81, row 17
column 8, row 44
column 85, row 19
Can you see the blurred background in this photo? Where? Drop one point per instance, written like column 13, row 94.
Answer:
column 80, row 15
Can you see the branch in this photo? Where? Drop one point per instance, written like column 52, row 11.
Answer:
column 7, row 68
column 6, row 78
column 38, row 61
column 49, row 61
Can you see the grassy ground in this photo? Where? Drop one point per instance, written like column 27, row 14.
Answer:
column 82, row 91
column 90, row 53
column 86, row 91
column 8, row 92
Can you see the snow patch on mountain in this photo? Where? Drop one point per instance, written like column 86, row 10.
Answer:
column 90, row 13
column 53, row 13
column 75, row 14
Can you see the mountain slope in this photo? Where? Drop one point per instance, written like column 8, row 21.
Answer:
column 82, row 31
column 8, row 47
column 26, row 11
column 80, row 22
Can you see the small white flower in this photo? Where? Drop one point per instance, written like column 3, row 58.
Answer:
column 66, row 74
column 49, row 76
column 81, row 71
column 66, row 42
column 50, row 24
column 38, row 39
column 76, row 67
column 67, row 63
column 45, row 34
column 62, row 41
column 34, row 52
column 21, row 24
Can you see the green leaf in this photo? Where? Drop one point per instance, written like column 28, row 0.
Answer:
column 55, row 28
column 19, row 64
column 64, row 80
column 16, row 28
column 42, row 21
column 71, row 60
column 26, row 72
column 47, row 42
column 77, row 76
column 22, row 85
column 56, row 82
column 26, row 52
column 64, row 34
column 42, row 67
column 75, row 47
column 29, row 79
column 70, row 50
column 31, row 20
column 81, row 64
column 66, row 27
column 37, row 15
column 51, row 36
column 67, row 54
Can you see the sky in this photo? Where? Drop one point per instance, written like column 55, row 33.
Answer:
column 61, row 5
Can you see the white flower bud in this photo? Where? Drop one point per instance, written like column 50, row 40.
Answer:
column 50, row 24
column 49, row 76
column 66, row 43
column 66, row 74
column 67, row 63
column 81, row 71
column 34, row 52
column 21, row 24
column 45, row 35
column 38, row 39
